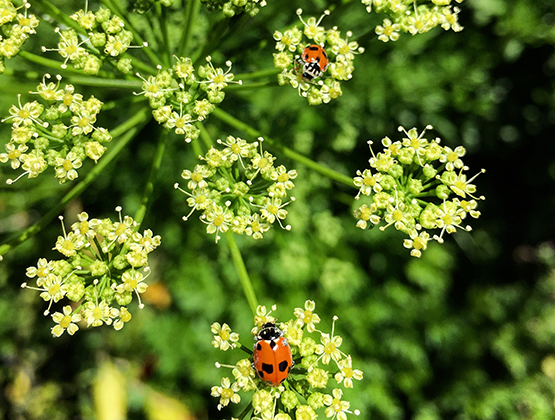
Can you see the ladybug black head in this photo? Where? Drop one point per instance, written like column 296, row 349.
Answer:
column 269, row 331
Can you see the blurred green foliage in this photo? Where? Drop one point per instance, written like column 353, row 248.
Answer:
column 465, row 332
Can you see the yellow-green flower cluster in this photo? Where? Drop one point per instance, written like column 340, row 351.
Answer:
column 15, row 28
column 105, row 264
column 59, row 132
column 107, row 40
column 179, row 98
column 417, row 185
column 315, row 385
column 231, row 8
column 340, row 52
column 238, row 187
column 413, row 17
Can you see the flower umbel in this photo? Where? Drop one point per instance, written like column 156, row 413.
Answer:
column 309, row 379
column 239, row 188
column 334, row 55
column 179, row 96
column 413, row 17
column 99, row 273
column 416, row 185
column 60, row 132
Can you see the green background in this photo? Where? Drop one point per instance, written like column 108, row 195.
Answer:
column 465, row 332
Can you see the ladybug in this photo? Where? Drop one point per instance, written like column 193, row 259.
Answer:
column 314, row 61
column 272, row 355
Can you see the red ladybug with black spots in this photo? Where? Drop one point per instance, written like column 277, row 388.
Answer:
column 272, row 355
column 314, row 61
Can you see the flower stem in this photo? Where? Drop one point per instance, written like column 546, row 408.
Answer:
column 60, row 16
column 162, row 18
column 127, row 131
column 259, row 73
column 242, row 271
column 330, row 173
column 190, row 16
column 205, row 136
column 47, row 62
column 160, row 148
column 108, row 83
column 246, row 411
column 254, row 85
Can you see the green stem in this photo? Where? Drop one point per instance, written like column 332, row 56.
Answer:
column 60, row 17
column 242, row 271
column 127, row 131
column 254, row 85
column 138, row 64
column 246, row 411
column 214, row 39
column 205, row 136
column 330, row 173
column 259, row 73
column 108, row 83
column 245, row 349
column 162, row 18
column 47, row 62
column 190, row 16
column 156, row 163
column 195, row 144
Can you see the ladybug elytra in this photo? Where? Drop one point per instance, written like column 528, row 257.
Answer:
column 315, row 61
column 272, row 355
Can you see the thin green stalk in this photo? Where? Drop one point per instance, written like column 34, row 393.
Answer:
column 205, row 136
column 214, row 40
column 195, row 144
column 47, row 62
column 254, row 85
column 60, row 16
column 155, row 60
column 139, row 65
column 259, row 73
column 160, row 148
column 127, row 131
column 18, row 74
column 162, row 18
column 246, row 411
column 330, row 173
column 242, row 271
column 108, row 83
column 190, row 16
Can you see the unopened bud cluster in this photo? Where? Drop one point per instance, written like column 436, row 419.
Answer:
column 238, row 187
column 417, row 185
column 15, row 29
column 179, row 97
column 315, row 385
column 340, row 54
column 231, row 8
column 105, row 265
column 413, row 17
column 59, row 131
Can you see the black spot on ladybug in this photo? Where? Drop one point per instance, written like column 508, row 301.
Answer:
column 273, row 344
column 261, row 374
column 283, row 366
column 269, row 369
column 313, row 48
column 258, row 346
